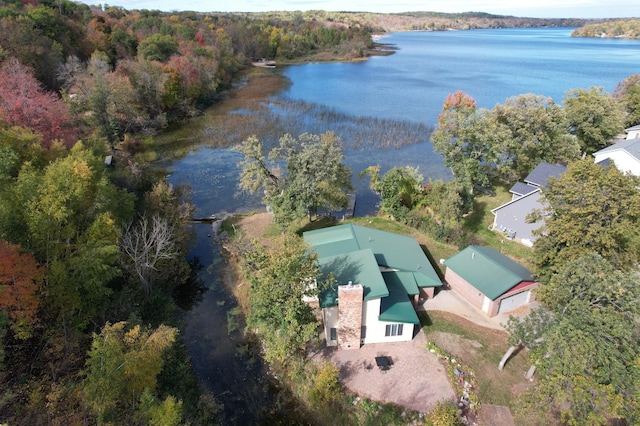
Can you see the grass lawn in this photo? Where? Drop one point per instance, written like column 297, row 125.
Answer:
column 481, row 350
column 480, row 220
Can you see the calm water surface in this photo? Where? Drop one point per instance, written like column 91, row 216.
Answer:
column 490, row 65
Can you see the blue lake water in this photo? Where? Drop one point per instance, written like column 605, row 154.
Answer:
column 490, row 65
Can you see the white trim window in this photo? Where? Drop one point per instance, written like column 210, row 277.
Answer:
column 393, row 330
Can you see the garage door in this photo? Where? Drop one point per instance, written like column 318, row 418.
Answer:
column 513, row 302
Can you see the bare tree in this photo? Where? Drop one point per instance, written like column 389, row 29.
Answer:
column 144, row 245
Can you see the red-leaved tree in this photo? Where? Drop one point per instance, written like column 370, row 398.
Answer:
column 24, row 102
column 19, row 276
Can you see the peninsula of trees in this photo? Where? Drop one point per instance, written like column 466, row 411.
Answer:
column 621, row 28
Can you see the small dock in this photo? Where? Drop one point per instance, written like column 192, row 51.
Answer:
column 350, row 207
column 264, row 63
column 208, row 219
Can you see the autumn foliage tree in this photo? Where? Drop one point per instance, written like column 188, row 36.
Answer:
column 19, row 278
column 24, row 102
column 457, row 137
column 590, row 209
column 628, row 91
column 123, row 364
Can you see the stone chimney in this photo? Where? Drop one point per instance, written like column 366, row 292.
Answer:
column 349, row 315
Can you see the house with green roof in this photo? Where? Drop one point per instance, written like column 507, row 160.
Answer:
column 379, row 277
column 489, row 280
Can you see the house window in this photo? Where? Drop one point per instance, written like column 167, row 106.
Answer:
column 393, row 330
column 333, row 335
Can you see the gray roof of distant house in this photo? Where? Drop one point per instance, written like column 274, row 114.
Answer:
column 631, row 146
column 633, row 128
column 543, row 172
column 513, row 215
column 521, row 188
column 605, row 163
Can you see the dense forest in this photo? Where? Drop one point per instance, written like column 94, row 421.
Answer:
column 92, row 242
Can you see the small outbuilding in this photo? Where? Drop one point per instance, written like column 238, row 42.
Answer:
column 489, row 280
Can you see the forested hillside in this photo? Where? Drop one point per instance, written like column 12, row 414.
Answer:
column 92, row 243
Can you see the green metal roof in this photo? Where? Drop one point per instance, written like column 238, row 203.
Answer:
column 332, row 241
column 359, row 267
column 488, row 270
column 427, row 280
column 356, row 253
column 391, row 250
column 397, row 307
column 405, row 279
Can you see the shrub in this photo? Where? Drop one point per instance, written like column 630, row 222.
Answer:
column 445, row 414
column 326, row 384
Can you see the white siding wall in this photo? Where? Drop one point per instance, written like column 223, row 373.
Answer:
column 486, row 304
column 330, row 316
column 622, row 160
column 375, row 329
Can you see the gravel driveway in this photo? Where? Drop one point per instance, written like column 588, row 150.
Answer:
column 416, row 380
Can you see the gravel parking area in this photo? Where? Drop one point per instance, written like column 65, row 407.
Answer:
column 416, row 379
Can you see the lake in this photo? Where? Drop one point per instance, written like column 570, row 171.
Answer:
column 490, row 65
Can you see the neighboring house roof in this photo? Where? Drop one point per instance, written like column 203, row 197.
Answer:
column 633, row 129
column 513, row 215
column 521, row 188
column 357, row 254
column 630, row 146
column 488, row 270
column 543, row 172
column 605, row 163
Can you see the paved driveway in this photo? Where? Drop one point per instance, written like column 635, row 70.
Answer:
column 416, row 380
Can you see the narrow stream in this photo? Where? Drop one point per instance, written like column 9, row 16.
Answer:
column 222, row 358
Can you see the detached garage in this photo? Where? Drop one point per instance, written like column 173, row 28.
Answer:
column 489, row 280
